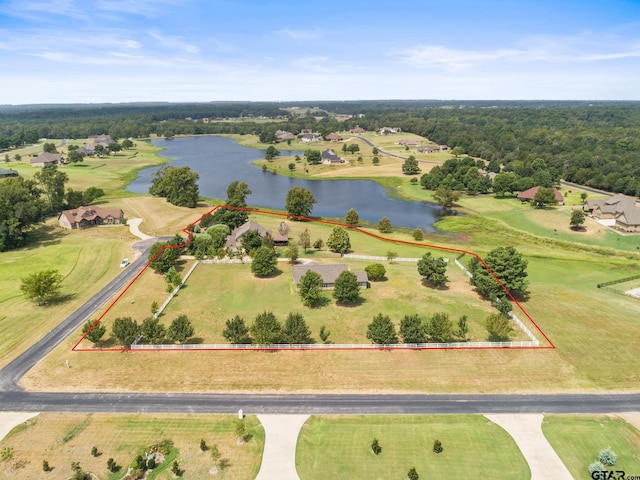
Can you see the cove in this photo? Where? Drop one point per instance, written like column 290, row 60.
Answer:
column 220, row 161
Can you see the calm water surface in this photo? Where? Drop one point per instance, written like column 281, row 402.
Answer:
column 220, row 161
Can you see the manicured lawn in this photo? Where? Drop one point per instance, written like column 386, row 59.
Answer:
column 578, row 439
column 63, row 438
column 473, row 447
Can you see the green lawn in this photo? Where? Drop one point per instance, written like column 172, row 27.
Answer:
column 62, row 438
column 473, row 447
column 577, row 439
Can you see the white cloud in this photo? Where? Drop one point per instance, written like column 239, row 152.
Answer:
column 299, row 34
column 314, row 63
column 174, row 42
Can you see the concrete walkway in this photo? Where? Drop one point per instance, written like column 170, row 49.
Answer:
column 134, row 228
column 526, row 430
column 281, row 436
column 10, row 420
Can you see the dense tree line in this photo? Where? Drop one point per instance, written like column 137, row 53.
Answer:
column 595, row 144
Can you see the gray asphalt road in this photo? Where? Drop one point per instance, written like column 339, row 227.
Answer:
column 14, row 371
column 318, row 404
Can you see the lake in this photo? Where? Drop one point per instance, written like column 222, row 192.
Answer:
column 220, row 161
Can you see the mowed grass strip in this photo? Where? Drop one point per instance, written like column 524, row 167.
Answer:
column 578, row 439
column 473, row 447
column 63, row 438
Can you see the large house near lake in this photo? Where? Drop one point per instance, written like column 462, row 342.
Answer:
column 47, row 158
column 530, row 194
column 234, row 239
column 329, row 157
column 84, row 217
column 619, row 211
column 329, row 274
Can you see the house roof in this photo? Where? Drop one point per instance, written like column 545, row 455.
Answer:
column 529, row 194
column 328, row 272
column 333, row 137
column 46, row 157
column 233, row 240
column 90, row 213
column 309, row 137
column 8, row 172
column 330, row 156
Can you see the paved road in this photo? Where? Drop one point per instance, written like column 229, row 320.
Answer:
column 14, row 371
column 317, row 404
column 372, row 145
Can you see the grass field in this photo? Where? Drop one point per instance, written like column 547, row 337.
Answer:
column 577, row 439
column 63, row 438
column 473, row 447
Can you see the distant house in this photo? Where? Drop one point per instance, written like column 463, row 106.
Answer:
column 619, row 211
column 408, row 142
column 94, row 140
column 428, row 148
column 329, row 274
column 284, row 136
column 333, row 137
column 84, row 217
column 444, row 148
column 309, row 138
column 329, row 157
column 234, row 239
column 389, row 130
column 7, row 172
column 357, row 130
column 528, row 195
column 45, row 158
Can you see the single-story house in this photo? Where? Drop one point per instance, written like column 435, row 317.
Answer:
column 93, row 140
column 428, row 148
column 329, row 274
column 83, row 217
column 309, row 138
column 408, row 142
column 284, row 136
column 528, row 195
column 7, row 172
column 333, row 137
column 329, row 157
column 234, row 239
column 358, row 129
column 389, row 130
column 45, row 157
column 619, row 211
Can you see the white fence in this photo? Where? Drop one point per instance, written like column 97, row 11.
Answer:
column 340, row 346
column 379, row 258
column 175, row 291
column 463, row 268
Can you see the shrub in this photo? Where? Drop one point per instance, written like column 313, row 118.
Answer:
column 437, row 446
column 596, row 467
column 413, row 475
column 375, row 446
column 112, row 466
column 94, row 451
column 203, row 445
column 45, row 466
column 607, row 456
column 375, row 271
column 175, row 469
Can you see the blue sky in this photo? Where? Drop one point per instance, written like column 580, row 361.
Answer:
column 90, row 51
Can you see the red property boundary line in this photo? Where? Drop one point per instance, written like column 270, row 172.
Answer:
column 76, row 348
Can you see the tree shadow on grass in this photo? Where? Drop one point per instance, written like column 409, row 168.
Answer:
column 321, row 302
column 426, row 283
column 360, row 301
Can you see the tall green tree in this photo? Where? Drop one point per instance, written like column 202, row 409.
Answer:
column 346, row 288
column 412, row 329
column 577, row 219
column 446, row 197
column 433, row 269
column 439, row 328
column 498, row 327
column 52, row 182
column 236, row 331
column 251, row 241
column 381, row 330
column 352, row 217
column 410, row 166
column 305, row 239
column 296, row 330
column 266, row 329
column 264, row 262
column 271, row 153
column 179, row 185
column 180, row 329
column 125, row 330
column 299, row 202
column 167, row 254
column 338, row 240
column 384, row 225
column 543, row 197
column 237, row 193
column 508, row 265
column 20, row 209
column 41, row 287
column 95, row 332
column 152, row 330
column 310, row 288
